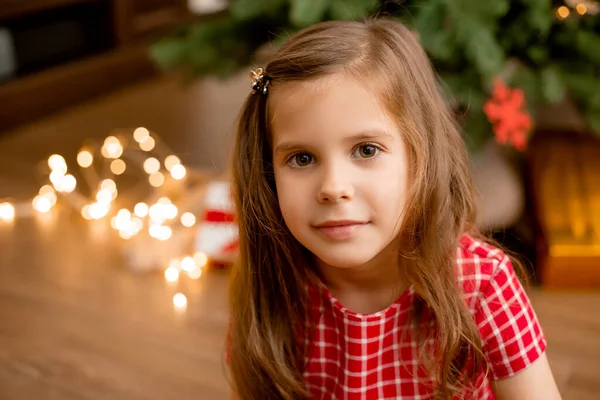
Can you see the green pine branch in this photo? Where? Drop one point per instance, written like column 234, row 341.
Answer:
column 468, row 41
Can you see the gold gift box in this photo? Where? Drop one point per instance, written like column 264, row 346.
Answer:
column 565, row 172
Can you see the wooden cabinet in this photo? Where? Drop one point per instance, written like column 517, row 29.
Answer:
column 66, row 51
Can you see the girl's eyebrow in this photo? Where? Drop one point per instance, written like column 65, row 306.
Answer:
column 371, row 134
column 288, row 146
column 363, row 135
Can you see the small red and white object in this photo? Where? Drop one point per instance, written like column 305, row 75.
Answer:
column 217, row 235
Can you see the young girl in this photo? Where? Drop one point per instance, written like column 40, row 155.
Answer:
column 360, row 273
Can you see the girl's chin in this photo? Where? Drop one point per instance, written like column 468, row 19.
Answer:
column 343, row 261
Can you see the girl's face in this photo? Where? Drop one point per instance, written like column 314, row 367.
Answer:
column 341, row 169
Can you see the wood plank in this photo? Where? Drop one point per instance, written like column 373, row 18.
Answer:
column 75, row 329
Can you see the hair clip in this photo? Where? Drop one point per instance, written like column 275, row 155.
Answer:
column 260, row 81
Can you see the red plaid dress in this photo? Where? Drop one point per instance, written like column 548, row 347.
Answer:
column 358, row 356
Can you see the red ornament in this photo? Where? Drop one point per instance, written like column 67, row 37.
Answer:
column 506, row 110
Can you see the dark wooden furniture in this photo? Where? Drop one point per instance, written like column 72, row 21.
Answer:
column 71, row 50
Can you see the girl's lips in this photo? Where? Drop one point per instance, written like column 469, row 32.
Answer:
column 339, row 230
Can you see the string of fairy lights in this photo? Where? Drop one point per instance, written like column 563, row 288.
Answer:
column 157, row 219
column 577, row 8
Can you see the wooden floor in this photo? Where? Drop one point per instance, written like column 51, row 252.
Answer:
column 76, row 323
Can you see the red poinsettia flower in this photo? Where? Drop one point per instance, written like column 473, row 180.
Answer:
column 506, row 110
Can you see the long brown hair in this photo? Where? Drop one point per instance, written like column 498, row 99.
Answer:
column 267, row 293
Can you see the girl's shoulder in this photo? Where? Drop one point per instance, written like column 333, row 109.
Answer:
column 506, row 321
column 481, row 267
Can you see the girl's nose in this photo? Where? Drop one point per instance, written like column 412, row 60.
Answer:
column 335, row 185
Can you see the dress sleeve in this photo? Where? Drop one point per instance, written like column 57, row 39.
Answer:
column 511, row 334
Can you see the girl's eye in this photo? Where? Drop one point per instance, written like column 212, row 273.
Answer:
column 301, row 160
column 366, row 151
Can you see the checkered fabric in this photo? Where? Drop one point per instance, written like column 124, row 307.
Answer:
column 358, row 356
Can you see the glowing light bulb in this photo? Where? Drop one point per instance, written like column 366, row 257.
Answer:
column 581, row 8
column 98, row 210
column 171, row 161
column 65, row 183
column 178, row 172
column 136, row 224
column 85, row 158
column 195, row 273
column 104, row 196
column 170, row 211
column 7, row 212
column 112, row 148
column 51, row 196
column 48, row 192
column 69, row 183
column 157, row 179
column 46, row 189
column 127, row 225
column 151, row 165
column 118, row 166
column 148, row 144
column 141, row 210
column 57, row 163
column 171, row 274
column 56, row 177
column 156, row 213
column 154, row 230
column 141, row 134
column 562, row 12
column 42, row 204
column 108, row 184
column 188, row 264
column 125, row 235
column 85, row 212
column 180, row 301
column 160, row 232
column 200, row 259
column 164, row 233
column 188, row 219
column 124, row 214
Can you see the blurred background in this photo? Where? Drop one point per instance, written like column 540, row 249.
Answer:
column 116, row 123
